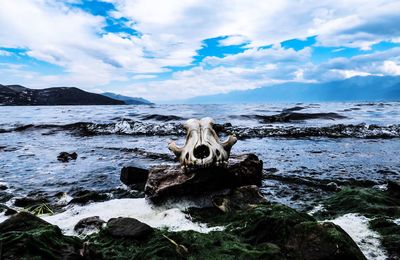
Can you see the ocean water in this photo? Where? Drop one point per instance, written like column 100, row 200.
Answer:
column 317, row 143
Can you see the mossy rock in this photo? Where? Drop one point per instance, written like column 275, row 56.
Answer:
column 25, row 236
column 366, row 201
column 390, row 234
column 180, row 245
column 266, row 231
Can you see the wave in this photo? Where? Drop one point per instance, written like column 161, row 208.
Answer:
column 129, row 127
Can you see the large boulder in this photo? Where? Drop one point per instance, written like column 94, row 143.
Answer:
column 166, row 181
column 25, row 236
column 89, row 225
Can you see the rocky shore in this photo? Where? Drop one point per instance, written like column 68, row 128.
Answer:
column 239, row 222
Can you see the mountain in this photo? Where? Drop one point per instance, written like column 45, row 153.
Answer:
column 127, row 100
column 367, row 88
column 15, row 95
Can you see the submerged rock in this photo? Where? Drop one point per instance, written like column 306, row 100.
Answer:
column 133, row 175
column 25, row 236
column 66, row 157
column 89, row 224
column 128, row 228
column 29, row 201
column 85, row 196
column 167, row 181
column 238, row 199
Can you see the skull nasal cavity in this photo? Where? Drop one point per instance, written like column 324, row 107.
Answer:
column 201, row 151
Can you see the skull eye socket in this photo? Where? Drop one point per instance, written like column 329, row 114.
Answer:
column 201, row 151
column 187, row 156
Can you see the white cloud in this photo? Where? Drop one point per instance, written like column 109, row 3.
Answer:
column 171, row 33
column 391, row 67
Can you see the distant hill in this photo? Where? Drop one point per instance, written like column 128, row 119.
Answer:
column 368, row 88
column 127, row 100
column 15, row 95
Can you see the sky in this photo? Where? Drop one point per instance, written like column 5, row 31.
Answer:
column 177, row 49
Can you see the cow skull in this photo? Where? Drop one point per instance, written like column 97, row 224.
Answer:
column 203, row 147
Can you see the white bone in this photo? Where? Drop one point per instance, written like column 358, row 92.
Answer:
column 202, row 147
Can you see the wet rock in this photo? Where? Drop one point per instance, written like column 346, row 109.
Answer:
column 25, row 236
column 29, row 201
column 85, row 196
column 312, row 240
column 66, row 157
column 3, row 187
column 166, row 181
column 289, row 116
column 239, row 199
column 390, row 235
column 369, row 202
column 89, row 224
column 10, row 212
column 128, row 228
column 133, row 175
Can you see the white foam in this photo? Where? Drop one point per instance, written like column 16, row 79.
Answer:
column 358, row 229
column 396, row 221
column 172, row 217
column 316, row 209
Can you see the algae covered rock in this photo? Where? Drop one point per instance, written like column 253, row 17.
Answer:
column 265, row 231
column 167, row 181
column 25, row 236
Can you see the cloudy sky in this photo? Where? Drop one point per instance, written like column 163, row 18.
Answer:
column 174, row 49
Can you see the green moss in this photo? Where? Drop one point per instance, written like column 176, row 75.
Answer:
column 390, row 234
column 366, row 201
column 164, row 244
column 44, row 242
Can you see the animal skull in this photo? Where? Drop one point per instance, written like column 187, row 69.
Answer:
column 203, row 147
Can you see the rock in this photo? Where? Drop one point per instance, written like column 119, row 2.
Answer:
column 133, row 175
column 10, row 212
column 66, row 157
column 89, row 224
column 85, row 196
column 3, row 187
column 166, row 181
column 312, row 240
column 29, row 201
column 25, row 236
column 22, row 221
column 128, row 228
column 239, row 199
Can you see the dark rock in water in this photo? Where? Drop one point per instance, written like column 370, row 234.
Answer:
column 29, row 201
column 394, row 188
column 291, row 116
column 25, row 236
column 170, row 180
column 162, row 117
column 3, row 187
column 239, row 199
column 85, row 196
column 291, row 109
column 128, row 227
column 312, row 240
column 90, row 223
column 133, row 175
column 66, row 157
column 10, row 212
